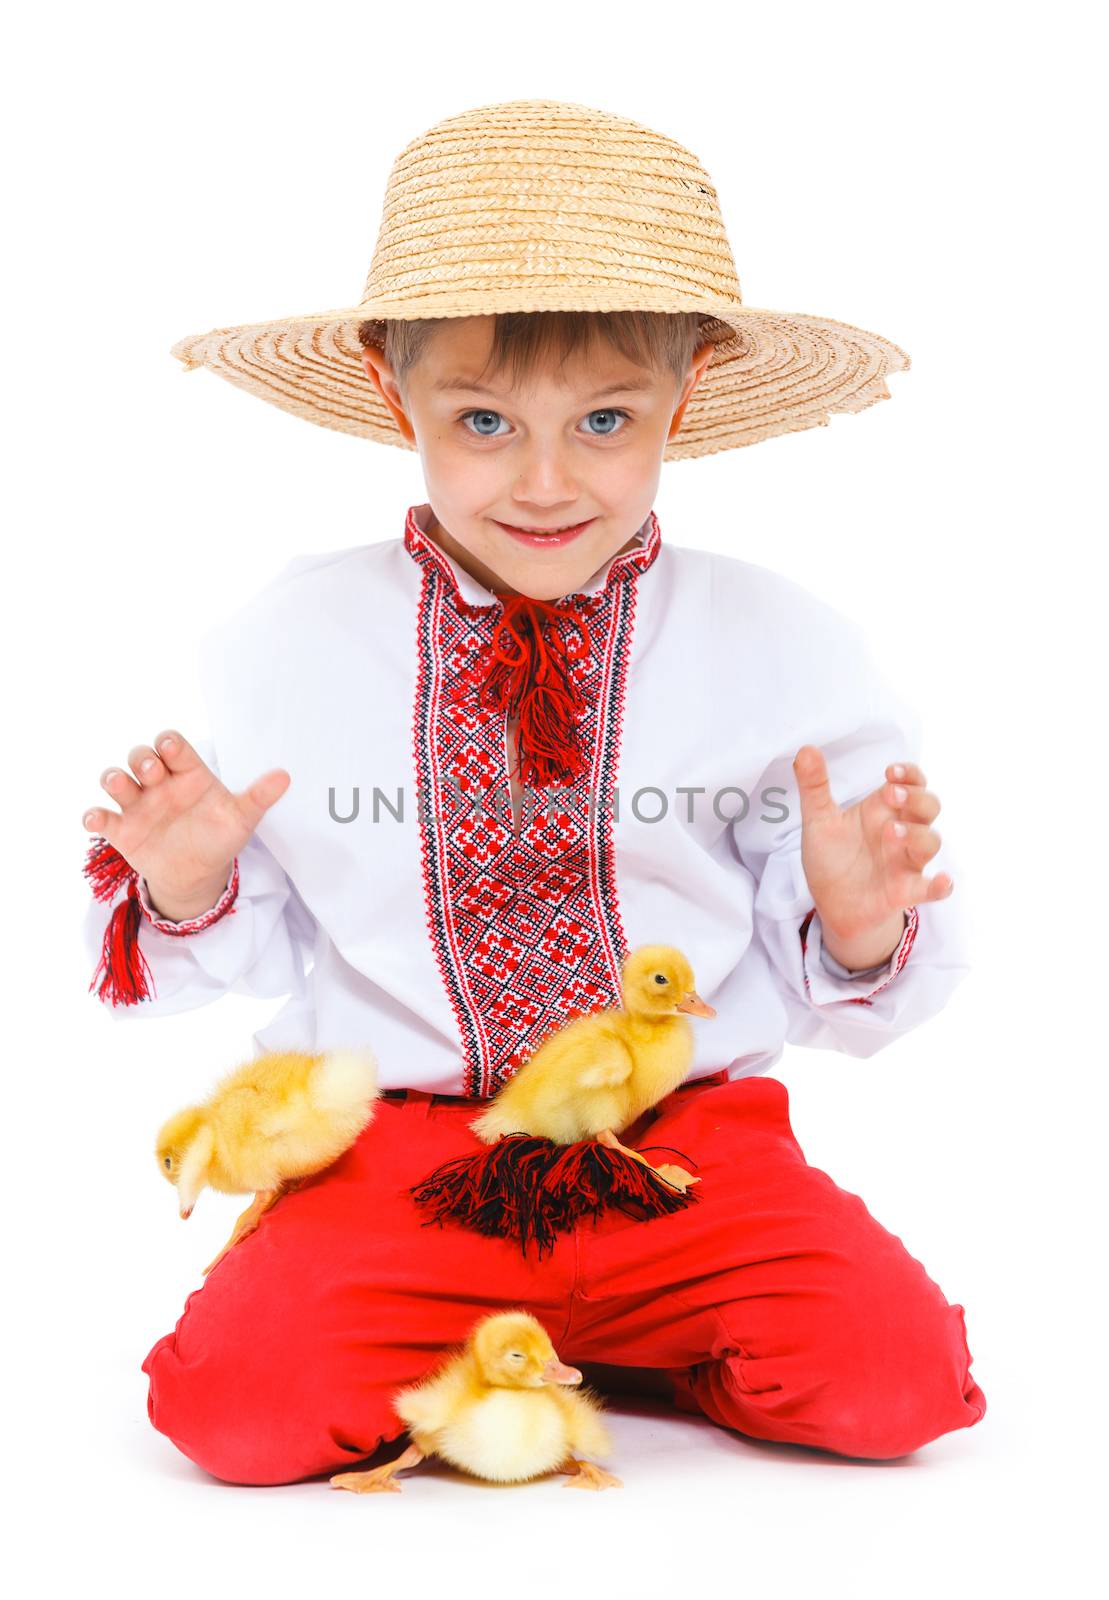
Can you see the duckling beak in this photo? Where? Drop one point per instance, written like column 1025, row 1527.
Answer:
column 696, row 1005
column 555, row 1372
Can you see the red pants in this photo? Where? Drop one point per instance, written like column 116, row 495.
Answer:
column 775, row 1304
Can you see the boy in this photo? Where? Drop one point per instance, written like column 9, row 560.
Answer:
column 512, row 745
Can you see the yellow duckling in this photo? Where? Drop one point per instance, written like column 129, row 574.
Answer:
column 503, row 1408
column 598, row 1073
column 279, row 1118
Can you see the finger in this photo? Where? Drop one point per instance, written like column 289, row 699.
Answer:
column 176, row 751
column 905, row 772
column 102, row 821
column 146, row 766
column 912, row 844
column 811, row 772
column 121, row 786
column 907, row 854
column 262, row 793
column 912, row 805
column 917, row 889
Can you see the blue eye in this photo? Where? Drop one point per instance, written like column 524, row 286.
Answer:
column 611, row 415
column 484, row 416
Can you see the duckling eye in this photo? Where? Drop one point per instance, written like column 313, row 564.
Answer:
column 661, row 978
column 515, row 1355
column 167, row 1163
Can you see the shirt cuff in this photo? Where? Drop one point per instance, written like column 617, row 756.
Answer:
column 191, row 924
column 828, row 981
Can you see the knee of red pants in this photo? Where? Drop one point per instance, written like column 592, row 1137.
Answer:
column 909, row 1391
column 264, row 1400
column 878, row 1385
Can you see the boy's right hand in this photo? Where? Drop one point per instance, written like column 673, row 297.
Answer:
column 178, row 826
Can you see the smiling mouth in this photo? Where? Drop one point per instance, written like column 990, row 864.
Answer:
column 564, row 527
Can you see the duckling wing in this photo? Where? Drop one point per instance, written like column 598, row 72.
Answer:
column 423, row 1406
column 586, row 1434
column 545, row 1096
column 606, row 1063
column 430, row 1409
column 314, row 1114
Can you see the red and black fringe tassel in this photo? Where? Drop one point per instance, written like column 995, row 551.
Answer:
column 531, row 1189
column 122, row 976
column 536, row 683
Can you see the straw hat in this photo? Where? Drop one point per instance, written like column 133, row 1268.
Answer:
column 536, row 205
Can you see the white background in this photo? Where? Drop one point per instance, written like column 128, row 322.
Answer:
column 923, row 171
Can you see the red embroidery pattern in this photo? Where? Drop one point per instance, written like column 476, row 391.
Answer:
column 526, row 931
column 901, row 954
column 192, row 924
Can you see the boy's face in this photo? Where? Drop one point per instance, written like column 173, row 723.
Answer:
column 578, row 444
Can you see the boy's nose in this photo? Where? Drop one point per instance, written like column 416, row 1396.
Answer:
column 544, row 486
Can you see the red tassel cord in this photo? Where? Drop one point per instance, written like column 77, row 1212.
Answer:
column 122, row 976
column 527, row 672
column 531, row 1189
column 493, row 1192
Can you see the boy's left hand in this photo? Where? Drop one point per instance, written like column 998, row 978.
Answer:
column 863, row 863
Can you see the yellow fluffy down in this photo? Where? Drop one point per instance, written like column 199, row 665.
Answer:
column 488, row 1412
column 282, row 1116
column 603, row 1070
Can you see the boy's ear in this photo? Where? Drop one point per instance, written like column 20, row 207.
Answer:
column 701, row 359
column 380, row 374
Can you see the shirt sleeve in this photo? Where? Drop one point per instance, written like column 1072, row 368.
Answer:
column 860, row 729
column 258, row 939
column 864, row 982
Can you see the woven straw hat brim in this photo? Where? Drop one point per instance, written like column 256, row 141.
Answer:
column 778, row 372
column 543, row 205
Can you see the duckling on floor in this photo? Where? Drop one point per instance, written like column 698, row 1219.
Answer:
column 504, row 1408
column 280, row 1118
column 598, row 1073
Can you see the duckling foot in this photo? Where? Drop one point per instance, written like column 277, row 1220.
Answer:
column 378, row 1480
column 676, row 1177
column 608, row 1138
column 248, row 1221
column 587, row 1475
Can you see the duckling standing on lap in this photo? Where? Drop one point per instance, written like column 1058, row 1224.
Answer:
column 504, row 1408
column 598, row 1073
column 282, row 1117
column 553, row 1154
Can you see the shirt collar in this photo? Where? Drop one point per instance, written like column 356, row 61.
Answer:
column 627, row 564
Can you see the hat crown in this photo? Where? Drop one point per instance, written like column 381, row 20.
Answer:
column 549, row 205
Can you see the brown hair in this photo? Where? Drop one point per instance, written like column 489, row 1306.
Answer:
column 657, row 340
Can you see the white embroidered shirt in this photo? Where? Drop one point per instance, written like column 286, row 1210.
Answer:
column 387, row 897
